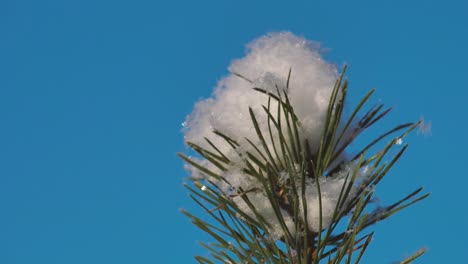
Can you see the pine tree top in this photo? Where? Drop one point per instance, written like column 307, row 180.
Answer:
column 282, row 188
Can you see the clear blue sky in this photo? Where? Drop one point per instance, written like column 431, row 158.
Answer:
column 93, row 94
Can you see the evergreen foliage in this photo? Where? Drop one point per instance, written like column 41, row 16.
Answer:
column 246, row 237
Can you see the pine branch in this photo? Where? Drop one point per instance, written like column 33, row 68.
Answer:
column 286, row 173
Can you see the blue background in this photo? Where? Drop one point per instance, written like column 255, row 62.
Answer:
column 93, row 94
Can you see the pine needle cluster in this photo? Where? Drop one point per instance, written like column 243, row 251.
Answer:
column 247, row 236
